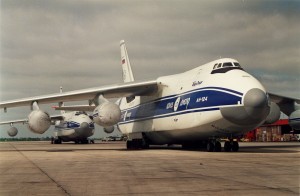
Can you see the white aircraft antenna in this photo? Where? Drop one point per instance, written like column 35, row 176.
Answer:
column 126, row 67
column 60, row 104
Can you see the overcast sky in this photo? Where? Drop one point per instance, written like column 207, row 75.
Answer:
column 75, row 44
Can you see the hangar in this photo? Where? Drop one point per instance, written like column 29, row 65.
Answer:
column 276, row 132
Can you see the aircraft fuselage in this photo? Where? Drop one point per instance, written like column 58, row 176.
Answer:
column 198, row 104
column 76, row 126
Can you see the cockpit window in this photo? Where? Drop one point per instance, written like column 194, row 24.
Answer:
column 225, row 67
column 237, row 64
column 78, row 113
column 215, row 66
column 228, row 64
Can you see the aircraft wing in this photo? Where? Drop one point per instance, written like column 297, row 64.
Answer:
column 25, row 121
column 286, row 104
column 113, row 91
column 282, row 99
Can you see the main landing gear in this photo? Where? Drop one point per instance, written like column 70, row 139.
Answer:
column 231, row 146
column 55, row 140
column 213, row 146
column 136, row 144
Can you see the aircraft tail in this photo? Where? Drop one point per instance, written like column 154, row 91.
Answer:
column 126, row 67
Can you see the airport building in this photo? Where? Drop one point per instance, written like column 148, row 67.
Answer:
column 276, row 132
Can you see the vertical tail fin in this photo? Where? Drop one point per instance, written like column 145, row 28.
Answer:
column 60, row 104
column 127, row 72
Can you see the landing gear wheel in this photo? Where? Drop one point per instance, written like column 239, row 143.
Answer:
column 136, row 144
column 218, row 146
column 57, row 141
column 227, row 146
column 235, row 146
column 84, row 141
column 129, row 144
column 210, row 147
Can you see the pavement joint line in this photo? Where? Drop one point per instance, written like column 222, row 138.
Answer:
column 282, row 189
column 44, row 172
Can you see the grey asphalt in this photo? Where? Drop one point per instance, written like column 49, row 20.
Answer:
column 107, row 168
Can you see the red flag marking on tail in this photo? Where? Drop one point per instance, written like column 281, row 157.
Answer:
column 123, row 61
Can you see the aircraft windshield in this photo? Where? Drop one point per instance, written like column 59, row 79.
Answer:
column 78, row 113
column 225, row 67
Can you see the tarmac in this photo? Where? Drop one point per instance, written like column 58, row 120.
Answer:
column 107, row 168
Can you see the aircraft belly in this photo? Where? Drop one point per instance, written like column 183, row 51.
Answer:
column 74, row 134
column 184, row 128
column 65, row 132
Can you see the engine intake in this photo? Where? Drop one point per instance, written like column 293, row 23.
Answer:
column 294, row 120
column 39, row 121
column 274, row 114
column 107, row 114
column 12, row 132
column 109, row 129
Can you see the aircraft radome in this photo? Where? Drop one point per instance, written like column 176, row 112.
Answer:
column 193, row 108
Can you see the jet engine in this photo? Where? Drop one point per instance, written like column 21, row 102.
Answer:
column 39, row 121
column 107, row 114
column 109, row 129
column 12, row 131
column 294, row 120
column 274, row 114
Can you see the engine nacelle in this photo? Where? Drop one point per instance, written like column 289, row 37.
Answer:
column 39, row 121
column 274, row 114
column 294, row 120
column 12, row 132
column 107, row 114
column 109, row 129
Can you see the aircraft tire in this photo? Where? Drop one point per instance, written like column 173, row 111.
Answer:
column 129, row 145
column 227, row 146
column 210, row 147
column 136, row 144
column 235, row 146
column 218, row 146
column 84, row 141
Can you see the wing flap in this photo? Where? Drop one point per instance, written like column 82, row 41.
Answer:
column 282, row 99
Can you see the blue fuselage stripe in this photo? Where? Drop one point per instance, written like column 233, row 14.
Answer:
column 72, row 125
column 200, row 100
column 294, row 119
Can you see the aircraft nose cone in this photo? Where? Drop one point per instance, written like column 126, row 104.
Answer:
column 255, row 99
column 84, row 125
column 254, row 111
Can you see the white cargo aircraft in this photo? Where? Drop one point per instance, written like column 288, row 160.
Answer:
column 74, row 126
column 214, row 100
